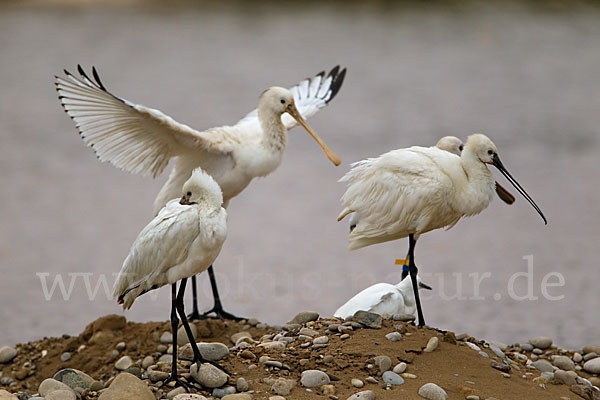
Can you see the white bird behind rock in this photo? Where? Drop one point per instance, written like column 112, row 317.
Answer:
column 408, row 192
column 182, row 240
column 383, row 298
column 142, row 140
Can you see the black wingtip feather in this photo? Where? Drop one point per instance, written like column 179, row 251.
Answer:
column 97, row 78
column 80, row 70
column 336, row 83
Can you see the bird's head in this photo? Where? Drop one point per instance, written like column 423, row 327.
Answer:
column 485, row 150
column 280, row 100
column 451, row 144
column 201, row 188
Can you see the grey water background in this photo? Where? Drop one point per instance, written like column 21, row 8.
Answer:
column 529, row 77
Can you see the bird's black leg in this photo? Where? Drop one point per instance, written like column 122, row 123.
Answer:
column 413, row 277
column 195, row 315
column 198, row 359
column 218, row 307
column 174, row 324
column 405, row 270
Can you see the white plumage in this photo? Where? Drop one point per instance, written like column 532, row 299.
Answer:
column 141, row 140
column 383, row 298
column 182, row 240
column 419, row 189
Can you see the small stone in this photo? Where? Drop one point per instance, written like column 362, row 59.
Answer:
column 328, row 390
column 526, row 347
column 313, row 378
column 504, row 374
column 541, row 342
column 166, row 338
column 392, row 378
column 147, row 361
column 472, row 397
column 238, row 396
column 357, row 383
column 166, row 358
column 590, row 356
column 7, row 353
column 66, row 356
column 241, row 385
column 432, row 344
column 156, row 376
column 587, row 392
column 364, row 395
column 137, row 371
column 543, row 366
column 432, row 391
column 345, row 336
column 384, row 363
column 175, row 392
column 127, row 386
column 49, row 385
column 462, row 336
column 277, row 398
column 564, row 363
column 96, row 386
column 394, row 336
column 21, row 373
column 208, row 375
column 496, row 350
column 304, row 317
column 121, row 346
column 248, row 355
column 61, row 395
column 283, row 387
column 123, row 363
column 321, row 340
column 210, row 351
column 223, row 392
column 403, row 317
column 400, row 368
column 308, row 332
column 565, row 377
column 161, row 348
column 406, row 375
column 368, row 319
column 273, row 363
column 371, row 379
column 577, row 357
column 74, row 378
column 473, row 346
column 182, row 337
column 591, row 349
column 538, row 351
column 592, row 366
column 594, row 380
column 4, row 395
column 239, row 335
column 500, row 366
column 484, row 354
column 189, row 396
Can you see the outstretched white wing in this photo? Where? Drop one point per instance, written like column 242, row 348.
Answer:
column 162, row 244
column 130, row 136
column 310, row 95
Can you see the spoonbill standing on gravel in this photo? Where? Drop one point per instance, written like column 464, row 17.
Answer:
column 408, row 192
column 142, row 140
column 181, row 241
column 383, row 298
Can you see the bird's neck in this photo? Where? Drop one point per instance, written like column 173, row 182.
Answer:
column 476, row 195
column 274, row 132
column 405, row 287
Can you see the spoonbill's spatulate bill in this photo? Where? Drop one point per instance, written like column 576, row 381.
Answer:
column 142, row 140
column 383, row 298
column 408, row 192
column 182, row 240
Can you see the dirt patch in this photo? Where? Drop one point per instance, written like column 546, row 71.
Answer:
column 349, row 352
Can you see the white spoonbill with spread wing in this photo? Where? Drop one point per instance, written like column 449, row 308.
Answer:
column 142, row 140
column 383, row 298
column 181, row 241
column 408, row 192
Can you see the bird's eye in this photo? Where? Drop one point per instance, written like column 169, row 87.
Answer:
column 461, row 147
column 490, row 152
column 189, row 193
column 282, row 101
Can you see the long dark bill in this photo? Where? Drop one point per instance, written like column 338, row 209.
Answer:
column 498, row 164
